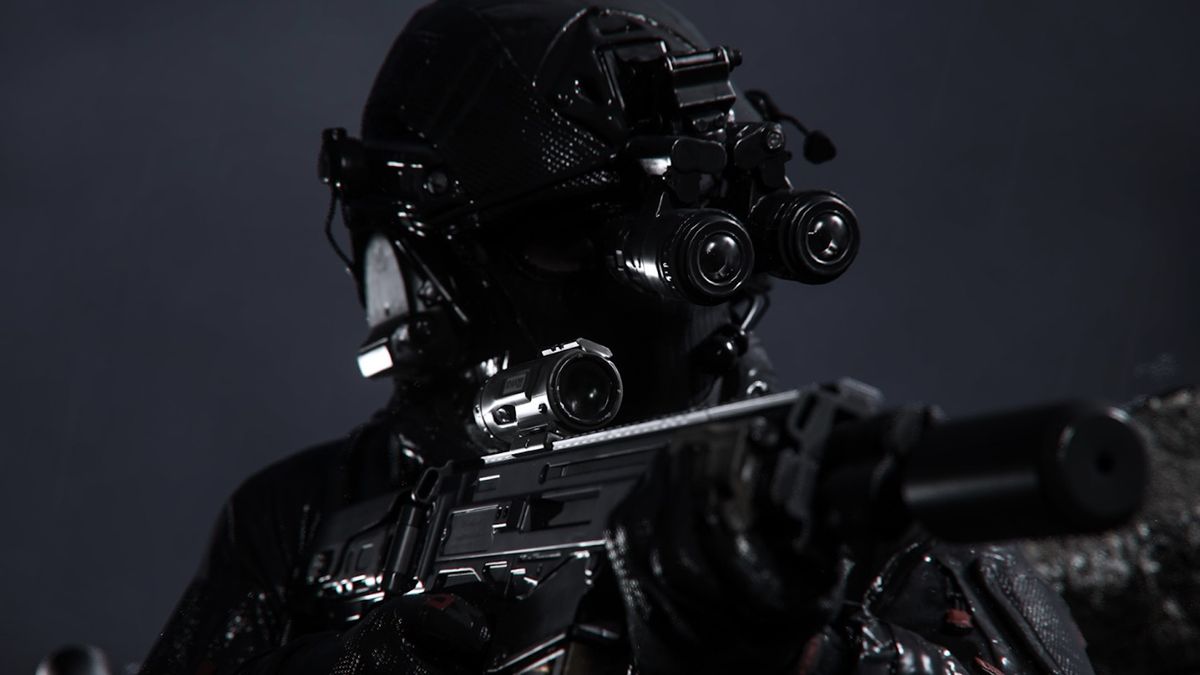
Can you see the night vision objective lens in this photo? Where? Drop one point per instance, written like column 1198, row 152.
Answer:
column 828, row 238
column 719, row 259
column 698, row 255
column 805, row 236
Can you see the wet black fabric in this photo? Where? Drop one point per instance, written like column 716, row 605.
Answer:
column 246, row 610
column 237, row 607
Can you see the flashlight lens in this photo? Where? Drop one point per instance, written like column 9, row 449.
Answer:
column 828, row 238
column 586, row 390
column 720, row 259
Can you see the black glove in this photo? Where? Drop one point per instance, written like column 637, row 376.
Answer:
column 708, row 571
column 438, row 634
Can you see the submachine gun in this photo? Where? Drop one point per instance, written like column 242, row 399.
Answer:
column 529, row 523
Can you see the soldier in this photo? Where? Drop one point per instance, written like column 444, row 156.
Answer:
column 534, row 171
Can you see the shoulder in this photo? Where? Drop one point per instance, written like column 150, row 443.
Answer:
column 382, row 454
column 298, row 477
column 288, row 491
column 289, row 495
column 271, row 515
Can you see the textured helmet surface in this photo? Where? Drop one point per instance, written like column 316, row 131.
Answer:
column 516, row 96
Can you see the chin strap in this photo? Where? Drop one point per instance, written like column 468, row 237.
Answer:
column 333, row 242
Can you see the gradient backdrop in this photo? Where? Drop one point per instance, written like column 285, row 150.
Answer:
column 1026, row 175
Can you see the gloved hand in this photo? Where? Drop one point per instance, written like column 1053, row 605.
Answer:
column 706, row 564
column 439, row 634
column 436, row 634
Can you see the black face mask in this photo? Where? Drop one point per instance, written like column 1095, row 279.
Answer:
column 653, row 341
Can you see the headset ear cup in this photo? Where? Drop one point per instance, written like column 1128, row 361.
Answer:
column 342, row 162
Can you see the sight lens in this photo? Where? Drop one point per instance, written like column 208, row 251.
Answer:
column 586, row 389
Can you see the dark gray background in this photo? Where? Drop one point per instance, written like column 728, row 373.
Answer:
column 1025, row 174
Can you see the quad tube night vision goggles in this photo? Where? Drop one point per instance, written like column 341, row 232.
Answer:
column 702, row 201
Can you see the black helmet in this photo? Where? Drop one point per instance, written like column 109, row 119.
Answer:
column 519, row 99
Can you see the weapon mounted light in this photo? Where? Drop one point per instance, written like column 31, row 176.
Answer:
column 571, row 388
